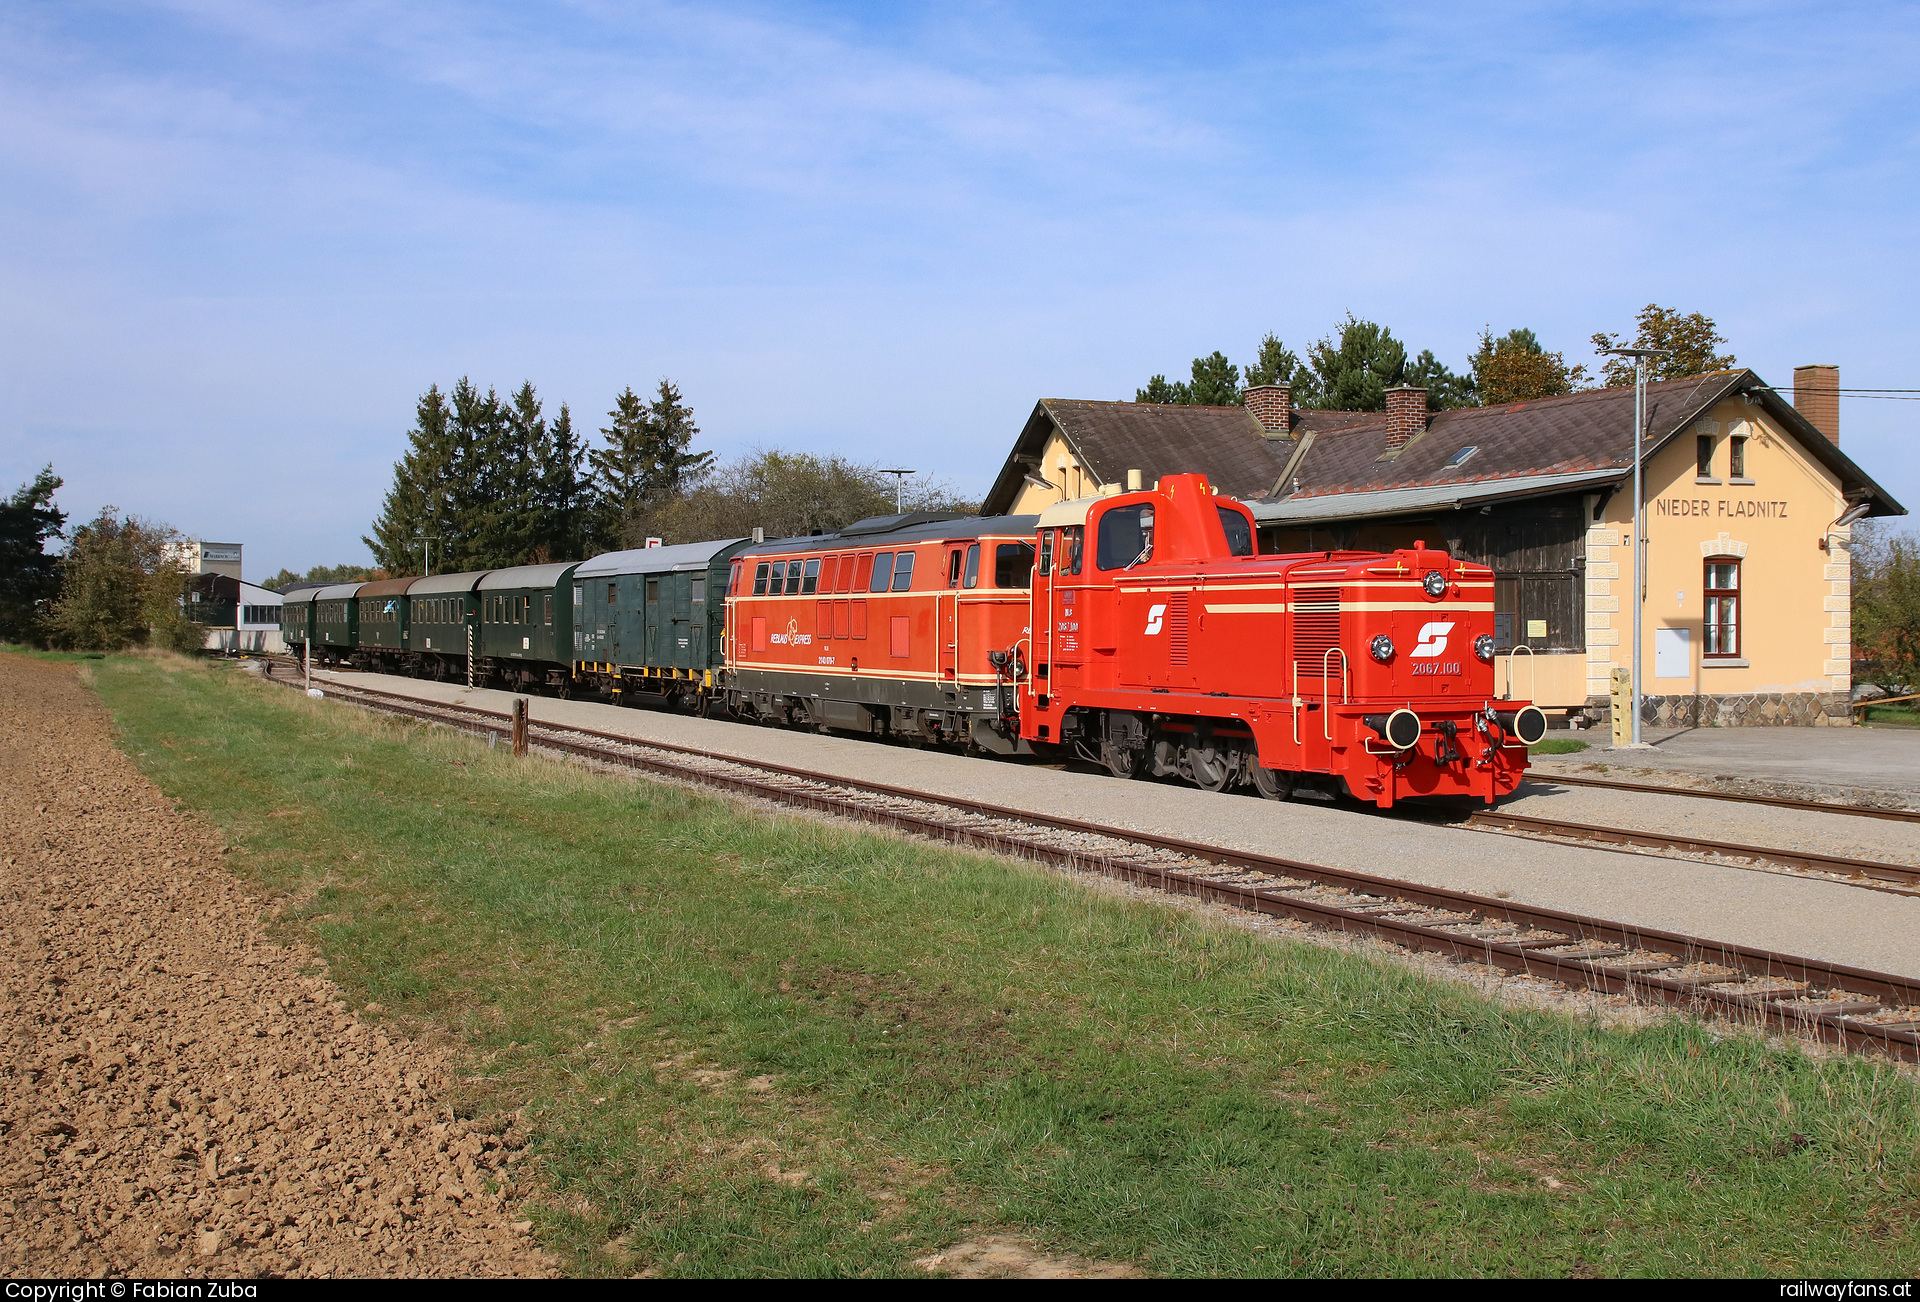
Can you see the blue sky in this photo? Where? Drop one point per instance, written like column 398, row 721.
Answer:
column 240, row 238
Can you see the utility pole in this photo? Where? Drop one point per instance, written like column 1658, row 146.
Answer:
column 1639, row 356
column 426, row 553
column 899, row 488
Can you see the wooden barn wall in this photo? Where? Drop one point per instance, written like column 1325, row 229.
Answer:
column 1536, row 549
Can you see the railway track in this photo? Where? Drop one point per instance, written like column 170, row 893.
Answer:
column 1739, row 797
column 1857, row 1009
column 1891, row 878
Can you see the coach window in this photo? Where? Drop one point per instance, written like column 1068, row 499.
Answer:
column 698, row 586
column 579, row 595
column 1723, row 608
column 1126, row 537
column 1013, row 565
column 882, row 571
column 1239, row 532
column 810, row 577
column 760, row 579
column 903, row 571
column 547, row 610
column 653, row 592
column 972, row 578
column 793, row 577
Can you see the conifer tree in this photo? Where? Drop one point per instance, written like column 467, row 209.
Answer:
column 563, row 491
column 672, row 431
column 421, row 499
column 29, row 577
column 620, row 468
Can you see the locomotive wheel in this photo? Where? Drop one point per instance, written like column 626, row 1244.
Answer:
column 1274, row 784
column 1210, row 768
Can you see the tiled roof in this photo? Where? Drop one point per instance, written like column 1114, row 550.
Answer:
column 1340, row 452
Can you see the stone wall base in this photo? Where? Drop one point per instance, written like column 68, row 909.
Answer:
column 1737, row 710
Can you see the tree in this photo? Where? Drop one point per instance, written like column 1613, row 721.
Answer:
column 121, row 586
column 1354, row 371
column 789, row 494
column 1886, row 604
column 1160, row 391
column 565, row 500
column 420, row 500
column 1515, row 368
column 29, row 576
column 1690, row 340
column 648, row 459
column 1445, row 390
column 488, row 492
column 1274, row 364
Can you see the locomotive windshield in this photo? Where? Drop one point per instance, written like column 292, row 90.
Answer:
column 1125, row 537
column 1239, row 532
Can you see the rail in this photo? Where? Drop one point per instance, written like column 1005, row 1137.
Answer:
column 1854, row 1008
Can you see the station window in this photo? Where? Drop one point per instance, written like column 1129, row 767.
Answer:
column 1723, row 607
column 1703, row 453
column 1013, row 565
column 882, row 571
column 1737, row 457
column 810, row 577
column 1126, row 537
column 903, row 571
column 760, row 579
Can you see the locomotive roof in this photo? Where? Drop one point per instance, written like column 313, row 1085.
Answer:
column 527, row 576
column 336, row 591
column 921, row 530
column 462, row 582
column 655, row 560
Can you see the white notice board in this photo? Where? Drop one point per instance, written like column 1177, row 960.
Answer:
column 1672, row 653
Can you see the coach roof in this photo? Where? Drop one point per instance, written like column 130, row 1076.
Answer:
column 527, row 576
column 655, row 560
column 435, row 584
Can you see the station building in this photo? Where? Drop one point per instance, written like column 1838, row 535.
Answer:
column 240, row 617
column 1749, row 506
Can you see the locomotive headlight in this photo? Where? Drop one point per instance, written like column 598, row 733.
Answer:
column 1435, row 583
column 1483, row 646
column 1382, row 648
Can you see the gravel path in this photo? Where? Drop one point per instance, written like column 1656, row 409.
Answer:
column 181, row 1095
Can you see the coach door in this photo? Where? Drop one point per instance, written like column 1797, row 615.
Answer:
column 655, row 618
column 694, row 658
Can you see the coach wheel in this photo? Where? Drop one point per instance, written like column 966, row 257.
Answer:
column 1274, row 784
column 1211, row 768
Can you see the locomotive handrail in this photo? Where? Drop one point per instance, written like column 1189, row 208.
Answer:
column 1532, row 671
column 1326, row 705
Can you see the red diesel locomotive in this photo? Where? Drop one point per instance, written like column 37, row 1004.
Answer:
column 1140, row 631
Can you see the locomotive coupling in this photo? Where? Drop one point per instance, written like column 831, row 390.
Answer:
column 1401, row 729
column 1528, row 724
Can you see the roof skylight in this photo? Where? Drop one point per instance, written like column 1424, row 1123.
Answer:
column 1461, row 457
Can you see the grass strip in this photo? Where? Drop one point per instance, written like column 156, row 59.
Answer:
column 750, row 1044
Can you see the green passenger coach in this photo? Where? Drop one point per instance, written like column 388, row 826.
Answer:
column 336, row 623
column 444, row 624
column 526, row 627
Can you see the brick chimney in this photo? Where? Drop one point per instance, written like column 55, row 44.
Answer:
column 1406, row 415
column 1272, row 406
column 1816, row 394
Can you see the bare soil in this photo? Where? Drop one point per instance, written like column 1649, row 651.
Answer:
column 180, row 1095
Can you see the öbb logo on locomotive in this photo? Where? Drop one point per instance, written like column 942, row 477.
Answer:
column 1144, row 632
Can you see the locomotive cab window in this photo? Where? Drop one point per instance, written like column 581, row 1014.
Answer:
column 1013, row 565
column 1067, row 555
column 882, row 571
column 1125, row 538
column 1239, row 532
column 971, row 579
column 956, row 560
column 760, row 579
column 1046, row 552
column 903, row 571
